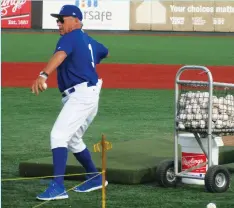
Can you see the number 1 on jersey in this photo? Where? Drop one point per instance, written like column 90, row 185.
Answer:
column 91, row 50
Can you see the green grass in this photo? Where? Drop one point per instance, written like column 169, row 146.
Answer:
column 127, row 49
column 123, row 115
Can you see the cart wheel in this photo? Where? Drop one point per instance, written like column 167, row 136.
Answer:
column 165, row 174
column 217, row 179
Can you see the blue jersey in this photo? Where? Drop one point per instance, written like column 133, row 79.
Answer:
column 83, row 53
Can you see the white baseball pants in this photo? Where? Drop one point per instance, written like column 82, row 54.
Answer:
column 79, row 110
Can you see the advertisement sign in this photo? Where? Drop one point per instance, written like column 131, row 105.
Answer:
column 16, row 14
column 97, row 14
column 183, row 15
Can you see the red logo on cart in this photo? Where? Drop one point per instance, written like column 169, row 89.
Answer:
column 190, row 160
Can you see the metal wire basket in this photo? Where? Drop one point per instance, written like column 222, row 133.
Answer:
column 199, row 102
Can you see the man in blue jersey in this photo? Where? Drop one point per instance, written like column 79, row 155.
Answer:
column 75, row 59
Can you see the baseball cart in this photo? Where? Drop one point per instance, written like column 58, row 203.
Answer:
column 205, row 110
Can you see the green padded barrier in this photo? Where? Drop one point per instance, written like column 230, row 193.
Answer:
column 230, row 167
column 130, row 162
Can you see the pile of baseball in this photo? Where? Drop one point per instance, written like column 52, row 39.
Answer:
column 193, row 111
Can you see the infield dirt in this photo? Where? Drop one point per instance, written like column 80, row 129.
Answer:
column 138, row 76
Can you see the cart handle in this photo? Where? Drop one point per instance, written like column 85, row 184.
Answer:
column 193, row 67
column 210, row 84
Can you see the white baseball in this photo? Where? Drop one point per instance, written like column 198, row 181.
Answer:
column 231, row 119
column 181, row 125
column 189, row 95
column 204, row 105
column 232, row 124
column 193, row 95
column 194, row 105
column 211, row 205
column 214, row 117
column 182, row 101
column 205, row 116
column 229, row 97
column 182, row 116
column 202, row 124
column 188, row 108
column 190, row 116
column 230, row 110
column 198, row 94
column 182, row 111
column 222, row 108
column 200, row 100
column 177, row 118
column 187, row 102
column 215, row 101
column 229, row 124
column 194, row 124
column 187, row 124
column 196, row 109
column 193, row 101
column 203, row 111
column 206, row 100
column 203, row 100
column 223, row 101
column 213, row 124
column 215, row 110
column 218, row 124
column 229, row 102
column 45, row 86
column 182, row 104
column 223, row 117
column 206, row 94
column 224, row 124
column 198, row 116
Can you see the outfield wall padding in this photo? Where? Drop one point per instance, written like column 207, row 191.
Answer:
column 184, row 15
column 37, row 14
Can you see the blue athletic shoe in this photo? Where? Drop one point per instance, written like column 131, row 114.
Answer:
column 91, row 185
column 53, row 192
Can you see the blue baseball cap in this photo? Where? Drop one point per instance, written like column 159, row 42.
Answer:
column 69, row 10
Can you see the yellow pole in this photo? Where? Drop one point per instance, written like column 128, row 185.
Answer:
column 103, row 172
column 105, row 145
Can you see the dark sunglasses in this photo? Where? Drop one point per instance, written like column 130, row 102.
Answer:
column 60, row 19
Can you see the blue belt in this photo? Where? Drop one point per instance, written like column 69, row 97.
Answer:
column 71, row 90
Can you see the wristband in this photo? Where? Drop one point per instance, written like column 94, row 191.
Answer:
column 44, row 75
